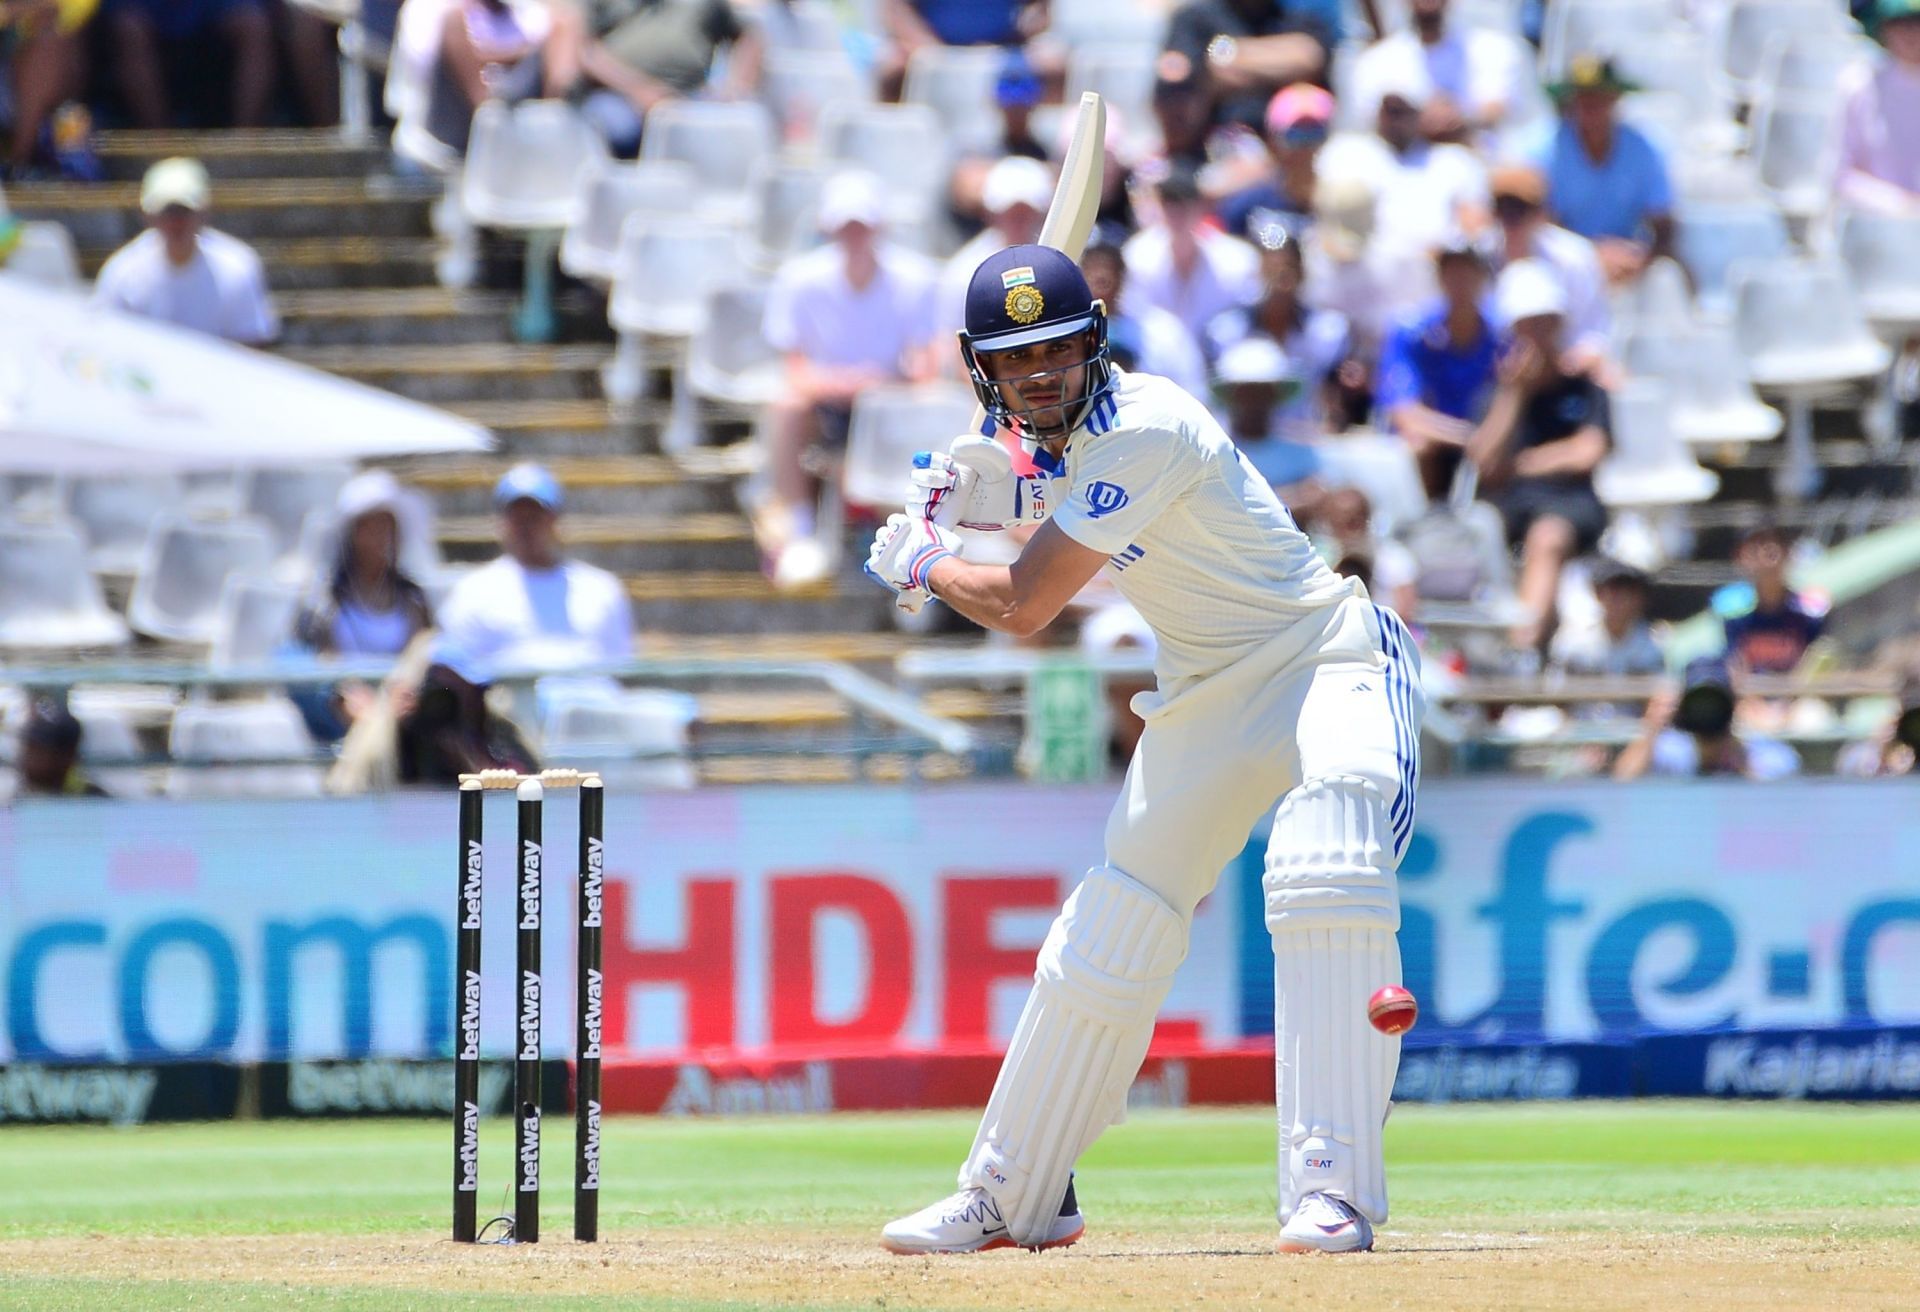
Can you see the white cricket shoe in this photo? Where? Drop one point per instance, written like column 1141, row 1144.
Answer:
column 1325, row 1224
column 970, row 1222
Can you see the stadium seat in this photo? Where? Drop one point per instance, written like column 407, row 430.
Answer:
column 816, row 25
column 1660, row 301
column 799, row 85
column 284, row 496
column 1090, row 22
column 44, row 253
column 117, row 512
column 209, row 738
column 1792, row 142
column 256, row 619
column 1882, row 253
column 1669, row 63
column 903, row 144
column 1749, row 27
column 1713, row 399
column 31, row 494
column 1123, row 75
column 728, row 359
column 1712, row 237
column 722, row 141
column 1807, row 67
column 1649, row 465
column 1598, row 27
column 48, row 598
column 891, row 423
column 610, row 194
column 958, row 84
column 524, row 165
column 176, row 592
column 664, row 271
column 786, row 199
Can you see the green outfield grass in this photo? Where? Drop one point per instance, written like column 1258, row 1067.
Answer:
column 1785, row 1172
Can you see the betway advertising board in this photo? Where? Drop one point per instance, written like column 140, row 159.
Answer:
column 805, row 923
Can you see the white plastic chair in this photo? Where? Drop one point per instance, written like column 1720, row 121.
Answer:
column 1598, row 27
column 903, row 144
column 786, row 195
column 722, row 141
column 1712, row 238
column 210, row 739
column 283, row 497
column 1716, row 180
column 1660, row 301
column 1713, row 399
column 1882, row 252
column 31, row 494
column 1123, row 75
column 728, row 359
column 47, row 596
column 45, row 254
column 1803, row 336
column 176, row 592
column 1649, row 465
column 1805, row 66
column 958, row 83
column 1792, row 143
column 663, row 274
column 889, row 424
column 1749, row 25
column 117, row 512
column 799, row 85
column 613, row 192
column 256, row 619
column 1088, row 22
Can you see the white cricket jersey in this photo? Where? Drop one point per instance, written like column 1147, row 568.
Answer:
column 1198, row 541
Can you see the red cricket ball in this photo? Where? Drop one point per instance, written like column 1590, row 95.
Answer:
column 1392, row 1009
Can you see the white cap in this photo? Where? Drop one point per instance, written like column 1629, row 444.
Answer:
column 176, row 181
column 1528, row 289
column 852, row 196
column 1396, row 72
column 375, row 489
column 1017, row 180
column 1257, row 359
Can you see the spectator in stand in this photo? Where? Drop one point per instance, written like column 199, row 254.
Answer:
column 45, row 69
column 1014, row 198
column 1621, row 643
column 183, row 272
column 915, row 25
column 1878, row 153
column 1519, row 210
column 1250, row 49
column 509, row 50
column 1299, row 120
column 1425, row 191
column 1182, row 110
column 1895, row 749
column 1344, row 535
column 1768, row 625
column 1474, row 77
column 1254, row 381
column 644, row 52
column 848, row 315
column 1143, row 337
column 1017, row 91
column 150, row 35
column 533, row 606
column 1438, row 367
column 1186, row 266
column 368, row 605
column 1318, row 341
column 1536, row 448
column 1692, row 735
column 1605, row 180
column 1344, row 271
column 49, row 761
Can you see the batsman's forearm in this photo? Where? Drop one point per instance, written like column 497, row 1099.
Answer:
column 989, row 596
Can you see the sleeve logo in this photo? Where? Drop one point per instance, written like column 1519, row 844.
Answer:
column 1104, row 498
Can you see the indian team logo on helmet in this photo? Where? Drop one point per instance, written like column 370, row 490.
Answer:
column 1104, row 498
column 1025, row 305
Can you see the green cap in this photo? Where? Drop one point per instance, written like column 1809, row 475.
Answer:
column 1590, row 72
column 1887, row 11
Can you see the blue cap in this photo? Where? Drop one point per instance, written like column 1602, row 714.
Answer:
column 1017, row 84
column 529, row 482
column 1026, row 294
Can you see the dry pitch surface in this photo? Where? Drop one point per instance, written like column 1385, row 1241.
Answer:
column 1588, row 1206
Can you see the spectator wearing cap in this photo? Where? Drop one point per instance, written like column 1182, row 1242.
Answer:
column 183, row 272
column 1878, row 150
column 853, row 313
column 1254, row 381
column 1536, row 448
column 1619, row 642
column 1525, row 233
column 1318, row 341
column 533, row 606
column 1016, row 92
column 1425, row 191
column 1768, row 626
column 150, row 38
column 1693, row 735
column 1438, row 367
column 1474, row 77
column 1250, row 49
column 1344, row 271
column 1186, row 266
column 1605, row 180
column 1299, row 120
column 1014, row 199
column 1143, row 337
column 49, row 760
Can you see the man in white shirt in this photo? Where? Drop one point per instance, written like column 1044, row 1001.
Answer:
column 1475, row 77
column 183, row 272
column 1185, row 266
column 847, row 316
column 1014, row 197
column 532, row 606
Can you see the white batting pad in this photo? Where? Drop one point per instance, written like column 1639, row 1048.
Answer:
column 1333, row 911
column 1103, row 972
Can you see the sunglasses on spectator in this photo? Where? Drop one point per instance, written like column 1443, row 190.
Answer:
column 1510, row 208
column 1308, row 133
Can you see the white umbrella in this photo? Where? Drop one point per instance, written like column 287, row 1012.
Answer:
column 86, row 390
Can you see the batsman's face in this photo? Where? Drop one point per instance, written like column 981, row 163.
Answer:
column 1044, row 383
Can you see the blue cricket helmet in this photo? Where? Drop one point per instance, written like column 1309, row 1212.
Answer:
column 1022, row 296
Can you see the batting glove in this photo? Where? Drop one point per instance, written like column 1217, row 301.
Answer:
column 906, row 549
column 974, row 486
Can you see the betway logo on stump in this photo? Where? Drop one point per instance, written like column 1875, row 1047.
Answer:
column 529, row 1016
column 530, row 1154
column 469, row 1148
column 590, row 1150
column 470, row 1016
column 594, row 1011
column 530, row 885
column 470, row 889
column 593, row 886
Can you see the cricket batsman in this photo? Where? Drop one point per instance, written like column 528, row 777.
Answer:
column 1279, row 685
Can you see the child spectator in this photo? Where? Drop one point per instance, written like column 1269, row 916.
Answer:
column 1622, row 642
column 1692, row 735
column 1768, row 625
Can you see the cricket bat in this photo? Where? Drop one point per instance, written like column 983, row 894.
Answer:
column 1076, row 199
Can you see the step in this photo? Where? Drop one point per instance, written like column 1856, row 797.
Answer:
column 475, row 372
column 243, row 153
column 543, row 430
column 395, row 316
column 636, row 485
column 700, row 540
column 743, row 601
column 107, row 214
column 327, row 263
